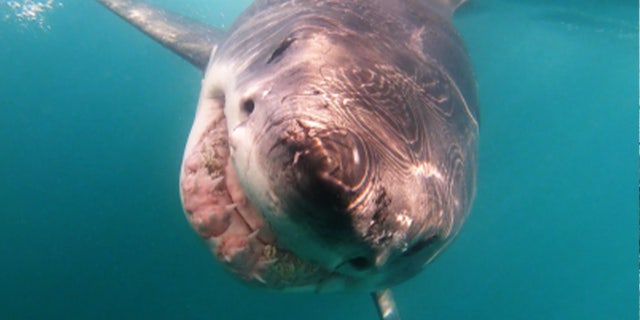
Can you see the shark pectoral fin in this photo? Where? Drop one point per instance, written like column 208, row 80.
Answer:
column 385, row 304
column 190, row 39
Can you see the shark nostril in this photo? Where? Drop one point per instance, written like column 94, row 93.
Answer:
column 284, row 45
column 248, row 106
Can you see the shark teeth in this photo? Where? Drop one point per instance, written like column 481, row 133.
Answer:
column 216, row 182
column 229, row 208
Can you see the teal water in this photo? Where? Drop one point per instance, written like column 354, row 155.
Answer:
column 94, row 117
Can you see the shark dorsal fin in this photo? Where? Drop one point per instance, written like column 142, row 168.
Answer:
column 190, row 39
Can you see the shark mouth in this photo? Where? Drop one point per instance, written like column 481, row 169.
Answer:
column 219, row 211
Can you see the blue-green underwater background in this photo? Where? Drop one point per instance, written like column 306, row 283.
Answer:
column 94, row 117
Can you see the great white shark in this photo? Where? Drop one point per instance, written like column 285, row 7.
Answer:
column 334, row 142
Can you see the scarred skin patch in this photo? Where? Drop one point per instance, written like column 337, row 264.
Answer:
column 218, row 210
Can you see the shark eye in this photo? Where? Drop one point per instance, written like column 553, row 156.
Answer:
column 423, row 244
column 284, row 45
column 360, row 263
column 248, row 106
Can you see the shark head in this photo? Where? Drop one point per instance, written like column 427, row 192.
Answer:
column 333, row 146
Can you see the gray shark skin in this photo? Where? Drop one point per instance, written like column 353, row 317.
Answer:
column 334, row 143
